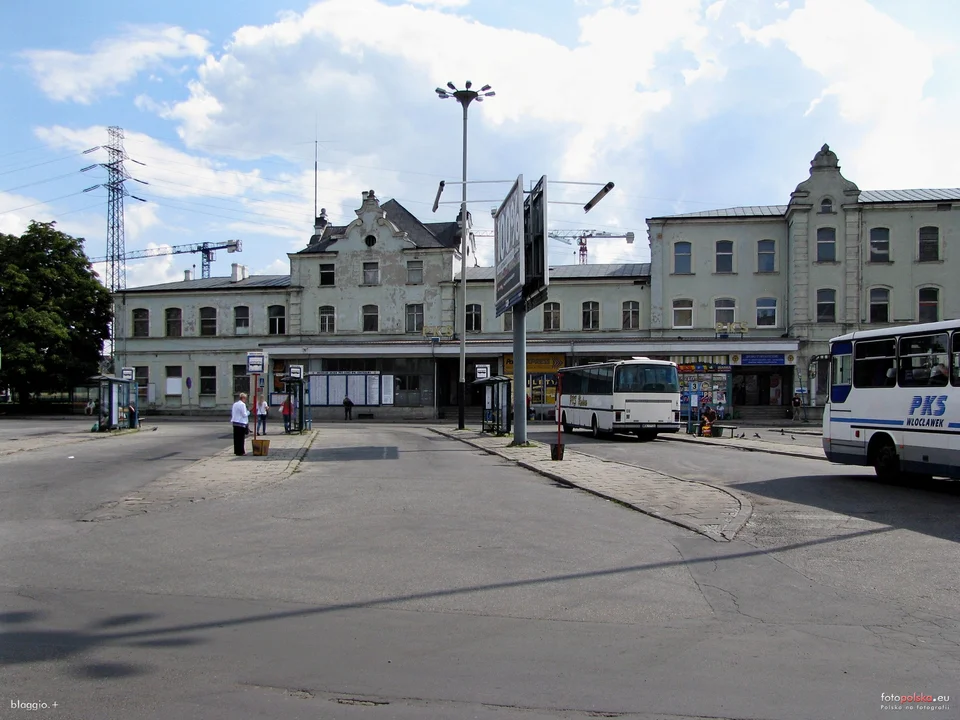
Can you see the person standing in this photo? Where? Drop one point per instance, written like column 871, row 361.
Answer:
column 239, row 417
column 796, row 402
column 287, row 411
column 262, row 408
column 347, row 409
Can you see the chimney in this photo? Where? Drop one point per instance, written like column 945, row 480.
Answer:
column 245, row 272
column 188, row 274
column 235, row 272
column 321, row 222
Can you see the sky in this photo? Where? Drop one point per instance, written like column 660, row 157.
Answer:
column 685, row 105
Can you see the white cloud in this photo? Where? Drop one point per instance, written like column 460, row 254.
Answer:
column 440, row 3
column 82, row 77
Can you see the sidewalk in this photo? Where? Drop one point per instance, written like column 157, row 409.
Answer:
column 715, row 512
column 766, row 442
column 218, row 476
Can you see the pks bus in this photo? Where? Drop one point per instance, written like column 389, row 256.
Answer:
column 895, row 400
column 640, row 396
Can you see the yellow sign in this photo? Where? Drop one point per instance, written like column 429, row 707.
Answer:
column 536, row 363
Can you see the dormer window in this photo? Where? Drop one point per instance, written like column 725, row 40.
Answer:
column 826, row 205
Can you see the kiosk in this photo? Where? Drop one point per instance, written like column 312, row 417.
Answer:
column 117, row 406
column 293, row 390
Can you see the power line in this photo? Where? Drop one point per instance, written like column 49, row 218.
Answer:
column 46, row 162
column 226, row 217
column 41, row 202
column 217, row 207
column 40, row 182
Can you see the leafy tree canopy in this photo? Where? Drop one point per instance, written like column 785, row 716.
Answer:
column 54, row 312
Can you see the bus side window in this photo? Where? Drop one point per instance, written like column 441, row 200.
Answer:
column 841, row 372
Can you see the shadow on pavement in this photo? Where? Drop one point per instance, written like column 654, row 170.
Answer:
column 928, row 507
column 360, row 452
column 23, row 639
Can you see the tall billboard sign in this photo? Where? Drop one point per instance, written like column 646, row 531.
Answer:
column 535, row 264
column 508, row 226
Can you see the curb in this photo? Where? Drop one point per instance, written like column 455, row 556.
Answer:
column 727, row 534
column 744, row 448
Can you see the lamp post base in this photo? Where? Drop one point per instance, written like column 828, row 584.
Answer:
column 461, row 416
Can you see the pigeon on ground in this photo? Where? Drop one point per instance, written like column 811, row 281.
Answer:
column 756, row 435
column 792, row 437
column 781, row 431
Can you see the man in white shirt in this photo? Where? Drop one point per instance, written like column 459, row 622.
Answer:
column 239, row 417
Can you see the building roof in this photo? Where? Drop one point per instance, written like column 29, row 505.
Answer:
column 254, row 282
column 570, row 272
column 423, row 235
column 866, row 197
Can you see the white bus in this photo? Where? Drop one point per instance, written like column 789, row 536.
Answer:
column 640, row 396
column 895, row 400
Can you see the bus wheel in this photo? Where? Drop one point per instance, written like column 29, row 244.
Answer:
column 567, row 427
column 885, row 460
column 594, row 428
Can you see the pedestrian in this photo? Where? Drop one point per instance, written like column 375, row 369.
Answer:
column 286, row 409
column 88, row 410
column 262, row 408
column 347, row 409
column 721, row 412
column 796, row 402
column 239, row 418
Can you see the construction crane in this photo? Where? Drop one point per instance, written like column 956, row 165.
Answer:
column 206, row 249
column 581, row 236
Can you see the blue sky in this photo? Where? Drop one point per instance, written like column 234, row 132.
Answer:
column 685, row 105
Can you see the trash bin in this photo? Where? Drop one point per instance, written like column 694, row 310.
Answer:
column 556, row 451
column 261, row 447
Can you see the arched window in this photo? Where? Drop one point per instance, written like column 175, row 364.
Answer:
column 328, row 319
column 683, row 313
column 766, row 256
column 826, row 244
column 173, row 322
column 826, row 306
column 241, row 320
column 826, row 205
column 551, row 316
column 141, row 322
column 929, row 304
column 208, row 321
column 591, row 315
column 724, row 310
column 371, row 318
column 277, row 316
column 880, row 245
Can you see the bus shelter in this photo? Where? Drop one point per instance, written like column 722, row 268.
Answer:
column 497, row 410
column 117, row 406
column 293, row 390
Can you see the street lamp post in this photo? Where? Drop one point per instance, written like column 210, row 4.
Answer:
column 464, row 97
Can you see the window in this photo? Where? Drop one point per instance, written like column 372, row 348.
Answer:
column 370, row 240
column 328, row 275
column 208, row 379
column 929, row 305
column 924, row 360
column 208, row 321
column 551, row 316
column 955, row 368
column 826, row 205
column 415, row 318
column 415, row 272
column 406, row 390
column 141, row 322
column 879, row 305
column 766, row 256
column 474, row 318
column 929, row 250
column 508, row 321
column 277, row 316
column 826, row 306
column 328, row 319
column 591, row 315
column 766, row 312
column 725, row 310
column 371, row 273
column 174, row 375
column 141, row 375
column 682, row 258
column 241, row 381
column 173, row 322
column 241, row 320
column 826, row 245
column 646, row 378
column 631, row 315
column 875, row 363
column 371, row 318
column 880, row 245
column 724, row 256
column 683, row 313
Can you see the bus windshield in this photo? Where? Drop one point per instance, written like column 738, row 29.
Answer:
column 646, row 379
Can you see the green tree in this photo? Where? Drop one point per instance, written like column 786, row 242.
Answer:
column 54, row 312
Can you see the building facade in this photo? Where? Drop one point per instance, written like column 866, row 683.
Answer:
column 744, row 299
